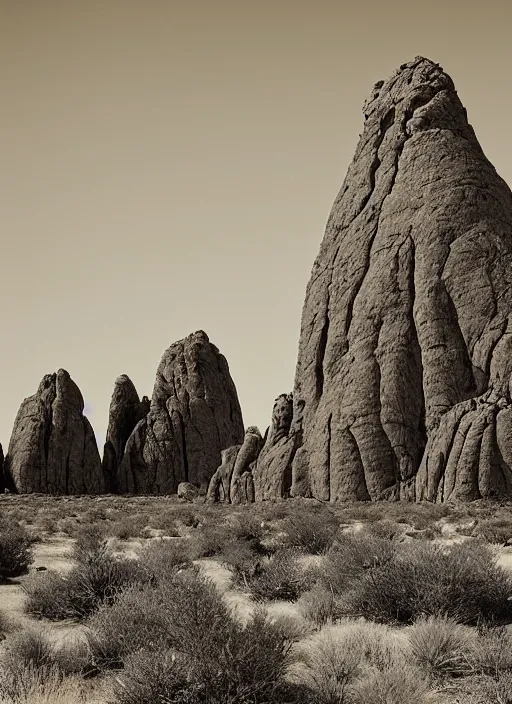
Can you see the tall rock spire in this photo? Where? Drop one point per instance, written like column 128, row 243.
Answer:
column 407, row 312
column 126, row 410
column 193, row 416
column 52, row 448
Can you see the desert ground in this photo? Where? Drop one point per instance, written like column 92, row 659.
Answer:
column 147, row 600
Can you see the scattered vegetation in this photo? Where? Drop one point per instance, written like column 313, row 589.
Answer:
column 98, row 577
column 380, row 609
column 15, row 549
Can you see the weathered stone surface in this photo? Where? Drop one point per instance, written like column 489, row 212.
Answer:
column 272, row 471
column 407, row 312
column 469, row 457
column 187, row 491
column 247, row 454
column 230, row 483
column 126, row 410
column 194, row 414
column 53, row 449
column 220, row 483
column 2, row 479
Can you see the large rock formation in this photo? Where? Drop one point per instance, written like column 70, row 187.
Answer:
column 126, row 410
column 194, row 415
column 407, row 312
column 52, row 448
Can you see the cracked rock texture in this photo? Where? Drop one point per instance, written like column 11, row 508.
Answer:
column 52, row 448
column 194, row 414
column 2, row 480
column 126, row 410
column 272, row 472
column 469, row 456
column 407, row 311
column 232, row 481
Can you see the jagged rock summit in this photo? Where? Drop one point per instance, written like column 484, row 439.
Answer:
column 407, row 312
column 194, row 415
column 52, row 448
column 126, row 410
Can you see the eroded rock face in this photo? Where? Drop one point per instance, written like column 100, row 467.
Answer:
column 407, row 312
column 232, row 481
column 52, row 448
column 2, row 479
column 272, row 472
column 126, row 410
column 469, row 456
column 194, row 414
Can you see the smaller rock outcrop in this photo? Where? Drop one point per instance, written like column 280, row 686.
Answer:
column 52, row 448
column 126, row 410
column 272, row 473
column 469, row 456
column 187, row 491
column 194, row 414
column 220, row 483
column 232, row 481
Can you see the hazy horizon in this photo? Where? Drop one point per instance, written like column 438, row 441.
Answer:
column 169, row 167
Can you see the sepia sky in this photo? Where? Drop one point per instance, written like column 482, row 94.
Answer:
column 169, row 165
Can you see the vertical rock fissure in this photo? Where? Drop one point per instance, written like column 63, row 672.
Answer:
column 329, row 436
column 385, row 124
column 184, row 446
column 322, row 344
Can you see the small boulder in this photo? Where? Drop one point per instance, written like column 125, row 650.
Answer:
column 187, row 491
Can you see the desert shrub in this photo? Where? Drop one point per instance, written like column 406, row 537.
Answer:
column 491, row 651
column 166, row 521
column 29, row 685
column 129, row 526
column 187, row 516
column 181, row 643
column 281, row 576
column 100, row 582
column 30, row 648
column 214, row 539
column 318, row 605
column 112, row 637
column 93, row 515
column 48, row 524
column 462, row 582
column 46, row 596
column 209, row 541
column 401, row 686
column 418, row 515
column 70, row 526
column 331, row 662
column 6, row 624
column 385, row 529
column 310, row 532
column 441, row 647
column 494, row 530
column 15, row 550
column 240, row 664
column 241, row 559
column 90, row 541
column 352, row 557
column 162, row 558
column 490, row 690
column 97, row 578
